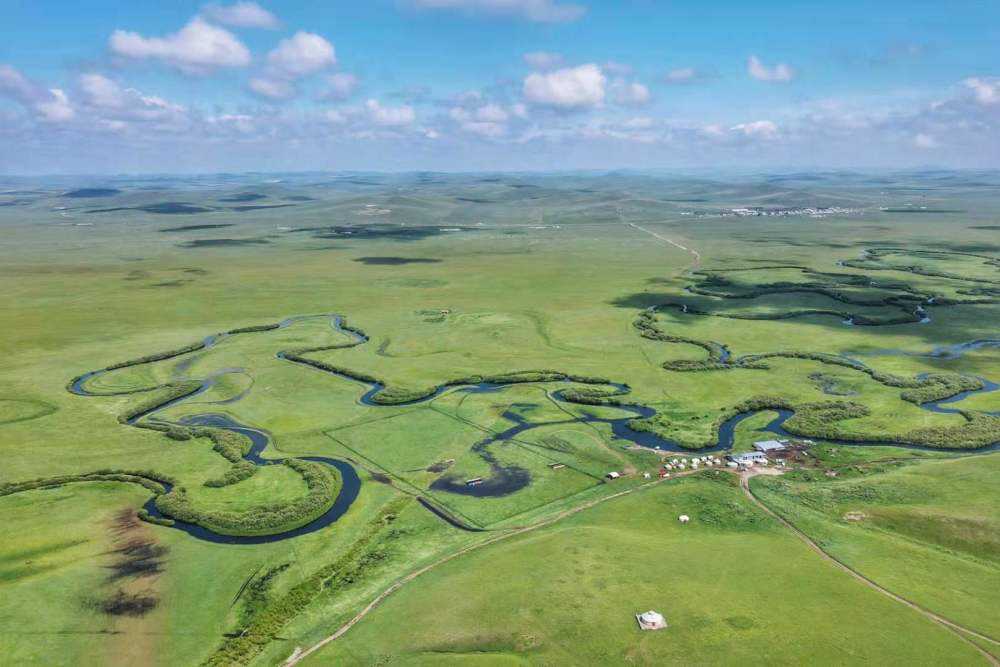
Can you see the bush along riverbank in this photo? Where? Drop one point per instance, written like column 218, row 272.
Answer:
column 823, row 420
column 148, row 479
column 373, row 549
column 323, row 484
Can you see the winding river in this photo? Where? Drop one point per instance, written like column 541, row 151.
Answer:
column 503, row 480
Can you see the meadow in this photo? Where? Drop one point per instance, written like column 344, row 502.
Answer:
column 389, row 338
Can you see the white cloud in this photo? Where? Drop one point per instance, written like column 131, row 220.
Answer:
column 301, row 54
column 491, row 113
column 681, row 75
column 567, row 88
column 242, row 15
column 335, row 117
column 488, row 120
column 486, row 129
column 272, row 89
column 110, row 101
column 639, row 123
column 341, row 86
column 390, row 116
column 101, row 91
column 631, row 93
column 543, row 60
column 921, row 140
column 541, row 11
column 984, row 91
column 50, row 105
column 779, row 72
column 197, row 48
column 758, row 129
column 57, row 108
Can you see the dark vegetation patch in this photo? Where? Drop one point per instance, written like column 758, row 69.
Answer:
column 195, row 228
column 475, row 200
column 216, row 243
column 988, row 227
column 396, row 261
column 390, row 232
column 170, row 283
column 380, row 477
column 86, row 193
column 122, row 603
column 372, row 550
column 257, row 593
column 243, row 197
column 160, row 208
column 298, row 198
column 244, row 209
column 137, row 556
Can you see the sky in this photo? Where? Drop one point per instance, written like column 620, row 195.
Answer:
column 103, row 86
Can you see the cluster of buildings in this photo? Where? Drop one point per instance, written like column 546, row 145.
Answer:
column 684, row 463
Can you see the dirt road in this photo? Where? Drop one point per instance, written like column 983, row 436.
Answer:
column 958, row 630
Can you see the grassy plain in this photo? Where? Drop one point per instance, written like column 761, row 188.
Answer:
column 733, row 586
column 542, row 273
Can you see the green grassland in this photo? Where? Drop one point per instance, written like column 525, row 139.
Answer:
column 732, row 586
column 455, row 277
column 929, row 532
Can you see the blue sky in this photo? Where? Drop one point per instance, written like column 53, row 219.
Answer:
column 496, row 84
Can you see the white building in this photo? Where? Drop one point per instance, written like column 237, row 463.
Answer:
column 747, row 458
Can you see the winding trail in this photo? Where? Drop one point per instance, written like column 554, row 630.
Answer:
column 957, row 629
column 299, row 654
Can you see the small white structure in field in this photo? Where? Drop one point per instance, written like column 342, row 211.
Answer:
column 613, row 475
column 683, row 518
column 645, row 475
column 651, row 620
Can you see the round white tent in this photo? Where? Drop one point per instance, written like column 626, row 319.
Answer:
column 651, row 620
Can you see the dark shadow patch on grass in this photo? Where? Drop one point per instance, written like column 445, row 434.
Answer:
column 160, row 208
column 244, row 209
column 169, row 283
column 987, row 227
column 243, row 197
column 121, row 603
column 396, row 261
column 639, row 300
column 86, row 193
column 138, row 558
column 220, row 243
column 390, row 232
column 194, row 228
column 298, row 198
